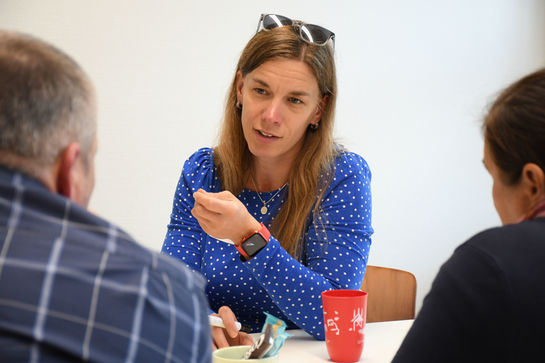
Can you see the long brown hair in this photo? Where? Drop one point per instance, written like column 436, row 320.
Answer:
column 308, row 177
column 515, row 126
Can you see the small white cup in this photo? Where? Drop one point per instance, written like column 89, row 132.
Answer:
column 236, row 355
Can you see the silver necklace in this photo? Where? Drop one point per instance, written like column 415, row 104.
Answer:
column 264, row 209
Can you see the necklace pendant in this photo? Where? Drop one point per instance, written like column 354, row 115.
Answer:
column 264, row 210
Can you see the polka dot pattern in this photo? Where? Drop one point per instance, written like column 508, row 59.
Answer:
column 334, row 252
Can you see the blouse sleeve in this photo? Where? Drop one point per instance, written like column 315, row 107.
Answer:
column 336, row 249
column 184, row 238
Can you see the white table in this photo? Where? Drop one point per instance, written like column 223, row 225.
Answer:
column 381, row 343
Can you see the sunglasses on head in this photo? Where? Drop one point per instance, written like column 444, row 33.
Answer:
column 310, row 33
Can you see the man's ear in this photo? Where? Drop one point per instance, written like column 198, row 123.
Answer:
column 533, row 182
column 65, row 177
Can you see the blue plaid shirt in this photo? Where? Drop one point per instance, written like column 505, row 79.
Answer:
column 74, row 287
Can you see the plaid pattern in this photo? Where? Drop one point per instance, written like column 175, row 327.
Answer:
column 74, row 287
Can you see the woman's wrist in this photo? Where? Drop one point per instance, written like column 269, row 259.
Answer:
column 249, row 228
column 254, row 242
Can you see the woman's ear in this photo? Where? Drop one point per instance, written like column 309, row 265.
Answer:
column 239, row 86
column 319, row 110
column 533, row 183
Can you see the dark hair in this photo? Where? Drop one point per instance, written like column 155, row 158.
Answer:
column 46, row 102
column 515, row 126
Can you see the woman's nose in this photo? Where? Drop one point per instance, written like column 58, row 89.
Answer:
column 273, row 112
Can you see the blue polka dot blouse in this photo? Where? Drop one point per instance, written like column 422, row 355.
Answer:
column 334, row 252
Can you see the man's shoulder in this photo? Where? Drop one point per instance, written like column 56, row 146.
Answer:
column 127, row 250
column 42, row 221
column 179, row 271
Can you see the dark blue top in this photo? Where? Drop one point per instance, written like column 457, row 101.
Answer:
column 74, row 287
column 487, row 303
column 334, row 255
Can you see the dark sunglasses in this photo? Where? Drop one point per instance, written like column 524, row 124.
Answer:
column 310, row 33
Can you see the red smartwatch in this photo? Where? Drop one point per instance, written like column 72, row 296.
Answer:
column 251, row 245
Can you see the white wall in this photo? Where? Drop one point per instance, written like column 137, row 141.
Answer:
column 414, row 81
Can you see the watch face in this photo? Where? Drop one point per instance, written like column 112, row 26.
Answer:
column 254, row 244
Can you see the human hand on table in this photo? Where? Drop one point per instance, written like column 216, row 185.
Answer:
column 230, row 335
column 222, row 215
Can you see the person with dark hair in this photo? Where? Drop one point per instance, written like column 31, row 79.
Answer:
column 296, row 205
column 74, row 287
column 487, row 302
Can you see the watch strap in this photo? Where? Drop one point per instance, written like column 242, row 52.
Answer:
column 242, row 252
column 263, row 231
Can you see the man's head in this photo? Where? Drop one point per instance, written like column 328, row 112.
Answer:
column 47, row 116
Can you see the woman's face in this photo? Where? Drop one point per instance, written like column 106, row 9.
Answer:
column 279, row 100
column 509, row 200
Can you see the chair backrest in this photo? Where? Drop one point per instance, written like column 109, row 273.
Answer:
column 391, row 294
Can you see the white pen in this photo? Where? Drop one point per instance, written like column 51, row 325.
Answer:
column 216, row 321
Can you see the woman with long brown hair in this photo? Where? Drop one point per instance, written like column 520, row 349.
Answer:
column 296, row 206
column 487, row 301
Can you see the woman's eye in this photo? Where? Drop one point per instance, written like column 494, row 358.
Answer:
column 295, row 100
column 261, row 91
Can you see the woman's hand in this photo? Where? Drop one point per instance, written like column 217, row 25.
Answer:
column 222, row 215
column 228, row 336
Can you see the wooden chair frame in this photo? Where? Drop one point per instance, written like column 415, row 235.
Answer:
column 391, row 294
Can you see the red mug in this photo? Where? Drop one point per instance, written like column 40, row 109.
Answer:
column 344, row 320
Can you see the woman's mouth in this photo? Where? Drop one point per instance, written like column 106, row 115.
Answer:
column 262, row 133
column 265, row 137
